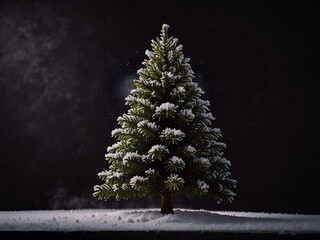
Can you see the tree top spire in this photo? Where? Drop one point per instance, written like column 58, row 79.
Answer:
column 164, row 30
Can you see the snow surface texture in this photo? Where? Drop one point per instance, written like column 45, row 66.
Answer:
column 153, row 220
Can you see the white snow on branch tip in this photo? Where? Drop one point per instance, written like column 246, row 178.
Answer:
column 115, row 187
column 124, row 186
column 175, row 40
column 165, row 26
column 202, row 185
column 179, row 92
column 113, row 147
column 187, row 113
column 166, row 107
column 150, row 171
column 117, row 174
column 203, row 102
column 229, row 192
column 175, row 177
column 158, row 148
column 116, row 131
column 172, row 134
column 104, row 174
column 224, row 161
column 177, row 161
column 179, row 48
column 136, row 180
column 147, row 124
column 141, row 101
column 149, row 53
column 168, row 74
column 190, row 149
column 207, row 116
column 203, row 161
column 112, row 156
column 131, row 156
column 107, row 175
column 180, row 89
column 174, row 182
column 221, row 144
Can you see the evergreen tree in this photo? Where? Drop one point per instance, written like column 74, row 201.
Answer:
column 166, row 142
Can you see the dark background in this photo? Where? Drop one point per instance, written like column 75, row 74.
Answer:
column 66, row 66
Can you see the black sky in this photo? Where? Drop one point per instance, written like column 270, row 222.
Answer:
column 65, row 67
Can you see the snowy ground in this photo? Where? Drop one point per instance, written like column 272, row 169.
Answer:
column 152, row 220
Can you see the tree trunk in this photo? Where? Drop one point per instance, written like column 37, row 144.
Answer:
column 166, row 206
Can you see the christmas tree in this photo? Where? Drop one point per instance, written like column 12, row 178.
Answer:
column 166, row 144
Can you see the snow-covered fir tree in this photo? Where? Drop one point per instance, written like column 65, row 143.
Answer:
column 167, row 143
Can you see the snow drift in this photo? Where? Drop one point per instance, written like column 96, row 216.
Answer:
column 153, row 220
